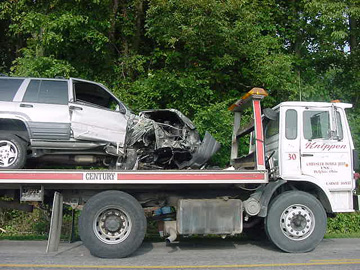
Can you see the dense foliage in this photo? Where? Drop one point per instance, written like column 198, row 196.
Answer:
column 16, row 224
column 194, row 55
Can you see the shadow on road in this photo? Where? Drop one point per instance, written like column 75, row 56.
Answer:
column 216, row 243
column 144, row 248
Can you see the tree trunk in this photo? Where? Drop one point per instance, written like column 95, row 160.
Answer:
column 139, row 5
column 112, row 31
column 38, row 37
column 353, row 34
column 125, row 41
column 299, row 38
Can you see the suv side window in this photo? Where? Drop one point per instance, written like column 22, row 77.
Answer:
column 49, row 92
column 95, row 95
column 8, row 88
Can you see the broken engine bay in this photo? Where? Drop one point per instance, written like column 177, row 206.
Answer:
column 164, row 139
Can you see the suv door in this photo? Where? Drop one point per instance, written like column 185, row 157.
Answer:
column 96, row 114
column 45, row 105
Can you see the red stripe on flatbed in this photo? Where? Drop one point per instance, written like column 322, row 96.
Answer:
column 136, row 176
column 178, row 176
column 42, row 176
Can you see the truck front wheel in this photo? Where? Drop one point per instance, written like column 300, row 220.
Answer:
column 296, row 222
column 112, row 224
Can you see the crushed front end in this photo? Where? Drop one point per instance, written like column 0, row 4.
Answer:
column 164, row 139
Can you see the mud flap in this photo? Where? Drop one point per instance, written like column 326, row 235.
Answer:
column 55, row 224
column 357, row 202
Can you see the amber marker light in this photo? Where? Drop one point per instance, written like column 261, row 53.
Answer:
column 258, row 92
column 253, row 92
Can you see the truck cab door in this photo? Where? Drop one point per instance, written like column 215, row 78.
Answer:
column 325, row 152
column 289, row 146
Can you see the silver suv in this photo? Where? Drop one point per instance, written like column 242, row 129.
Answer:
column 78, row 122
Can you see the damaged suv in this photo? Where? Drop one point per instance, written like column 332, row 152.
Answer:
column 78, row 122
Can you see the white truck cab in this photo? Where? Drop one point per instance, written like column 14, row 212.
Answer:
column 305, row 143
column 315, row 145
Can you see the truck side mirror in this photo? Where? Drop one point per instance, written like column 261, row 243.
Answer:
column 356, row 159
column 334, row 133
column 270, row 114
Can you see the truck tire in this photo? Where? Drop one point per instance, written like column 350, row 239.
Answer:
column 112, row 224
column 12, row 152
column 296, row 222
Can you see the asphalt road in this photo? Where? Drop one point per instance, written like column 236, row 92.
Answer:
column 199, row 254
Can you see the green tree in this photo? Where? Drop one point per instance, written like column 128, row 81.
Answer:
column 194, row 55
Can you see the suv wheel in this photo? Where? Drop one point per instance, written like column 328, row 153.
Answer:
column 12, row 152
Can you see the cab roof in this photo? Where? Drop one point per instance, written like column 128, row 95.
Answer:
column 313, row 104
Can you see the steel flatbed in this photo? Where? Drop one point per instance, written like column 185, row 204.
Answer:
column 99, row 177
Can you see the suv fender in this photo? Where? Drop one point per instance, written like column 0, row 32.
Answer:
column 15, row 127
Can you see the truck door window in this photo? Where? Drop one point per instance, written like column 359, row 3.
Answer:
column 316, row 125
column 44, row 91
column 291, row 124
column 93, row 94
column 8, row 88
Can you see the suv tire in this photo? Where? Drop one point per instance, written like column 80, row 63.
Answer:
column 12, row 152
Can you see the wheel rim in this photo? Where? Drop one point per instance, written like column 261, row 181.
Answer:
column 8, row 153
column 112, row 225
column 297, row 222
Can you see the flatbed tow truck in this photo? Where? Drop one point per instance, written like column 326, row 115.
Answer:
column 300, row 169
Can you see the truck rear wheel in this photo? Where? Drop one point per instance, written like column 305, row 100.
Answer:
column 296, row 222
column 112, row 224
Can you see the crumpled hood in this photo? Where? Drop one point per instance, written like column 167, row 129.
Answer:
column 170, row 138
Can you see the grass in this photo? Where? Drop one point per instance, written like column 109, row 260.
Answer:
column 342, row 235
column 23, row 237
